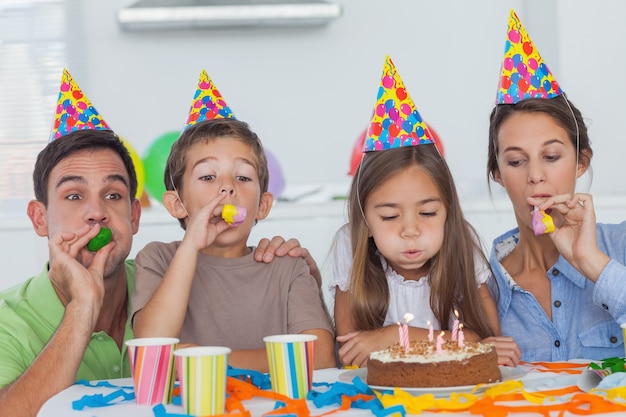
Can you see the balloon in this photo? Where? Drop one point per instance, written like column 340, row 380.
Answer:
column 357, row 149
column 139, row 168
column 276, row 184
column 154, row 161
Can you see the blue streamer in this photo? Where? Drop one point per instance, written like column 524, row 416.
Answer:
column 256, row 378
column 160, row 411
column 99, row 400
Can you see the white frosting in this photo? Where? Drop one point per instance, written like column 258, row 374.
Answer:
column 424, row 352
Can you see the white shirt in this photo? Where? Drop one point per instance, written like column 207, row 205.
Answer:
column 405, row 296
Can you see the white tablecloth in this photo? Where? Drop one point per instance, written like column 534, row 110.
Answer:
column 61, row 404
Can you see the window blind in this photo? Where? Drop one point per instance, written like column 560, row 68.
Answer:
column 32, row 57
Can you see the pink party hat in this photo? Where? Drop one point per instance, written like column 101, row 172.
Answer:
column 524, row 74
column 74, row 110
column 395, row 120
column 207, row 103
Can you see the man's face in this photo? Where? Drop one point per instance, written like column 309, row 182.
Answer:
column 92, row 187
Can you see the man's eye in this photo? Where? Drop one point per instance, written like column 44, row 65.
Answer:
column 73, row 197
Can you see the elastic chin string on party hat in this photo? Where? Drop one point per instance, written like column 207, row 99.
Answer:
column 569, row 106
column 179, row 198
column 358, row 197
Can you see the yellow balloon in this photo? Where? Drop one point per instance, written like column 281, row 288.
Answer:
column 139, row 169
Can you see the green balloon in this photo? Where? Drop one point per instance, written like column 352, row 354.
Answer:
column 154, row 160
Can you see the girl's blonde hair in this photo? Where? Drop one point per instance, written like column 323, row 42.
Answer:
column 452, row 273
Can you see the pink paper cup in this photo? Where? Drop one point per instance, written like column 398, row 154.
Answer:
column 290, row 358
column 152, row 367
column 202, row 376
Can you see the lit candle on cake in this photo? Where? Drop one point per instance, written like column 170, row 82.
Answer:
column 405, row 331
column 461, row 337
column 430, row 331
column 440, row 343
column 455, row 325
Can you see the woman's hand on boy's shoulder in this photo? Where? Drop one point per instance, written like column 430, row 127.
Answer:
column 267, row 249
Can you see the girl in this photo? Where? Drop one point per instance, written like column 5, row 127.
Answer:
column 411, row 251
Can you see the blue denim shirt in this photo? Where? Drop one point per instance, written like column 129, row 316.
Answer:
column 586, row 317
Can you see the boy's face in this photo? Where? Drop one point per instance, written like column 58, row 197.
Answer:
column 224, row 165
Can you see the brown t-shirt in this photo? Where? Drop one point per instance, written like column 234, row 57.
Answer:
column 237, row 302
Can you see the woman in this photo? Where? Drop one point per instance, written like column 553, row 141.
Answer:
column 561, row 294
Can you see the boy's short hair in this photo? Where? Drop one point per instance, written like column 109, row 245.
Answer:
column 206, row 131
column 59, row 149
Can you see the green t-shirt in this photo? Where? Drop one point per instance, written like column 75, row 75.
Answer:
column 30, row 314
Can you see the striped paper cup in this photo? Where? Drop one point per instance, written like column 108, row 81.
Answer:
column 152, row 366
column 290, row 358
column 202, row 375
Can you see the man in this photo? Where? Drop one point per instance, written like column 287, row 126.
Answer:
column 70, row 321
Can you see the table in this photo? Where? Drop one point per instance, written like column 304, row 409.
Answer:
column 535, row 379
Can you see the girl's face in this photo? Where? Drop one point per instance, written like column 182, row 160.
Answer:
column 535, row 159
column 406, row 217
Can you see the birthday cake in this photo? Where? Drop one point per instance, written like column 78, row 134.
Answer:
column 423, row 367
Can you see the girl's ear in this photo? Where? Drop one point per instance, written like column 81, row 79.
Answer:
column 36, row 211
column 174, row 205
column 265, row 205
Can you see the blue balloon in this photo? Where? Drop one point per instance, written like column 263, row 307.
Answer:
column 389, row 104
column 407, row 126
column 517, row 58
column 534, row 80
column 547, row 86
column 515, row 77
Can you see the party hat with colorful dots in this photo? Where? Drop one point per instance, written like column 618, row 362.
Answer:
column 395, row 120
column 524, row 74
column 74, row 110
column 207, row 103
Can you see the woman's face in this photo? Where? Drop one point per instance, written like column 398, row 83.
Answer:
column 535, row 159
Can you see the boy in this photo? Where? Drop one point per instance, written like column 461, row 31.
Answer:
column 207, row 289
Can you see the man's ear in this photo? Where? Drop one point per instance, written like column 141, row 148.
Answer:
column 36, row 211
column 135, row 214
column 173, row 204
column 265, row 205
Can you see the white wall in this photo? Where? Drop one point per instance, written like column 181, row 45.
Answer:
column 309, row 92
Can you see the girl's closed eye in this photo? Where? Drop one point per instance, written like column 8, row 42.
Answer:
column 388, row 218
